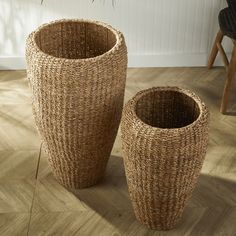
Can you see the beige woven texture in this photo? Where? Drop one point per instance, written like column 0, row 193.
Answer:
column 164, row 139
column 77, row 72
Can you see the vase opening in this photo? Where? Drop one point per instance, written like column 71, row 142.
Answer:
column 167, row 109
column 75, row 39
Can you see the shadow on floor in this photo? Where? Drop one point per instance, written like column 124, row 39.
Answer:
column 230, row 113
column 210, row 211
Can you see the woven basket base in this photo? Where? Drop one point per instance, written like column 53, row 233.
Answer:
column 164, row 226
column 77, row 178
column 72, row 184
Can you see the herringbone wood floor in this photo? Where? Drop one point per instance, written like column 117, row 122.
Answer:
column 33, row 203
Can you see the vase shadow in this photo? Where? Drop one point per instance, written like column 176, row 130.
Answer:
column 230, row 113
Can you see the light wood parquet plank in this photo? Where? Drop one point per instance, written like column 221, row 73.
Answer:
column 14, row 224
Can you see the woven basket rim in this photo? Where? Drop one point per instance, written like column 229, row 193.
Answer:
column 203, row 110
column 117, row 33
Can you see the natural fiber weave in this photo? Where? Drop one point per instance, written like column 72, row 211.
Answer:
column 77, row 72
column 164, row 139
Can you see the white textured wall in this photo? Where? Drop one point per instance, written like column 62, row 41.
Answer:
column 157, row 32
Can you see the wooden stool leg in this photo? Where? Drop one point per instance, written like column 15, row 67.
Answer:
column 229, row 81
column 214, row 51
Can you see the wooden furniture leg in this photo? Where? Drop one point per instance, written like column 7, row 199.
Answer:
column 223, row 56
column 229, row 80
column 214, row 51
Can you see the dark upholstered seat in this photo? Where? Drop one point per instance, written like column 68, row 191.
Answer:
column 232, row 4
column 227, row 22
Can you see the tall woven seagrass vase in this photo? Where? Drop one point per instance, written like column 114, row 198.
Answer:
column 164, row 139
column 77, row 73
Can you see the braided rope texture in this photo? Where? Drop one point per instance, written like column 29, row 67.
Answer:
column 77, row 73
column 165, row 133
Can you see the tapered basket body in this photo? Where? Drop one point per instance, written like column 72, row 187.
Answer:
column 77, row 72
column 164, row 140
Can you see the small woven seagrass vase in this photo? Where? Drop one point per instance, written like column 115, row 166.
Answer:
column 164, row 140
column 77, row 73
